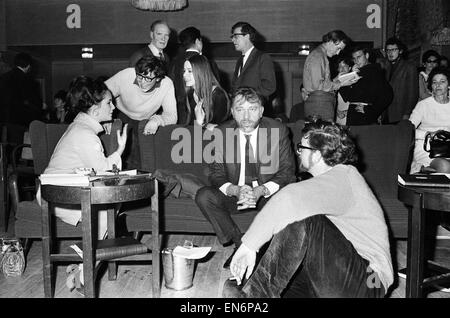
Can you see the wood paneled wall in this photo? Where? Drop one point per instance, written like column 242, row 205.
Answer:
column 33, row 22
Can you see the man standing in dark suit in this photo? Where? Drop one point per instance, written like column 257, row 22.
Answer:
column 240, row 179
column 159, row 35
column 403, row 78
column 254, row 68
column 20, row 99
column 191, row 40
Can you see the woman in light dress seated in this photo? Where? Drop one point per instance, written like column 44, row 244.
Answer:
column 429, row 115
column 208, row 103
column 80, row 147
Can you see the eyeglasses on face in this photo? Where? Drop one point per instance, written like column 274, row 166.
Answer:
column 236, row 34
column 392, row 50
column 145, row 78
column 300, row 147
column 431, row 61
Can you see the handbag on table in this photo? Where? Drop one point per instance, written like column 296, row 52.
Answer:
column 437, row 144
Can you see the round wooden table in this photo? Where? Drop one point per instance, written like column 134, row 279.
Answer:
column 110, row 191
column 421, row 199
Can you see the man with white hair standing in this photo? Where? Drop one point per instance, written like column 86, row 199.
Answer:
column 159, row 35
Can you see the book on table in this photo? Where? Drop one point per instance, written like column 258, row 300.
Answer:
column 424, row 180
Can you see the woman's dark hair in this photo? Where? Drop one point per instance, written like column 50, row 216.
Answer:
column 430, row 53
column 204, row 81
column 148, row 64
column 84, row 92
column 332, row 140
column 437, row 70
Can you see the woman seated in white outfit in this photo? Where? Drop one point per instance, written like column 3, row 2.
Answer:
column 208, row 103
column 429, row 115
column 80, row 146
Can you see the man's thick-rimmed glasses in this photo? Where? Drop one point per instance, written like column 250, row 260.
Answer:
column 144, row 78
column 300, row 147
column 236, row 34
column 392, row 50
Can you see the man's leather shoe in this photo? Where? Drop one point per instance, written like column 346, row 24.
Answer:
column 232, row 290
column 227, row 263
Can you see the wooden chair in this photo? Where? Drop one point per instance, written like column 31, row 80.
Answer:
column 28, row 214
column 11, row 135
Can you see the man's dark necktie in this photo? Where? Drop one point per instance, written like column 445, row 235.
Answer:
column 240, row 64
column 161, row 56
column 250, row 162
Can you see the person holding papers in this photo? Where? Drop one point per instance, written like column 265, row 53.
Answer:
column 319, row 89
column 80, row 147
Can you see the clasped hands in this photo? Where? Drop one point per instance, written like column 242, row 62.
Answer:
column 246, row 195
column 359, row 107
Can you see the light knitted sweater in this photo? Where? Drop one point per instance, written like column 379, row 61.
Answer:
column 344, row 197
column 139, row 105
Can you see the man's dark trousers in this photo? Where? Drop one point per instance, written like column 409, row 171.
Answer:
column 218, row 208
column 312, row 258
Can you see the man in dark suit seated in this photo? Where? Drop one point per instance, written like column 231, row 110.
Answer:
column 254, row 68
column 249, row 185
column 191, row 40
column 159, row 35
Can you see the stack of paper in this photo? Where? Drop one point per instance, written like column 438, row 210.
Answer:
column 69, row 179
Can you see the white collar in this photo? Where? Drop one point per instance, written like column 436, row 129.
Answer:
column 154, row 49
column 247, row 54
column 86, row 119
column 193, row 50
column 252, row 133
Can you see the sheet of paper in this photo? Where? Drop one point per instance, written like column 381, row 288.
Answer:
column 64, row 179
column 191, row 253
column 77, row 250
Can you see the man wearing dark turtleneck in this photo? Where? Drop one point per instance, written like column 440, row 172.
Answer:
column 371, row 95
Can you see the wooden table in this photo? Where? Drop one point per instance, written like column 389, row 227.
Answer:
column 110, row 192
column 421, row 199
